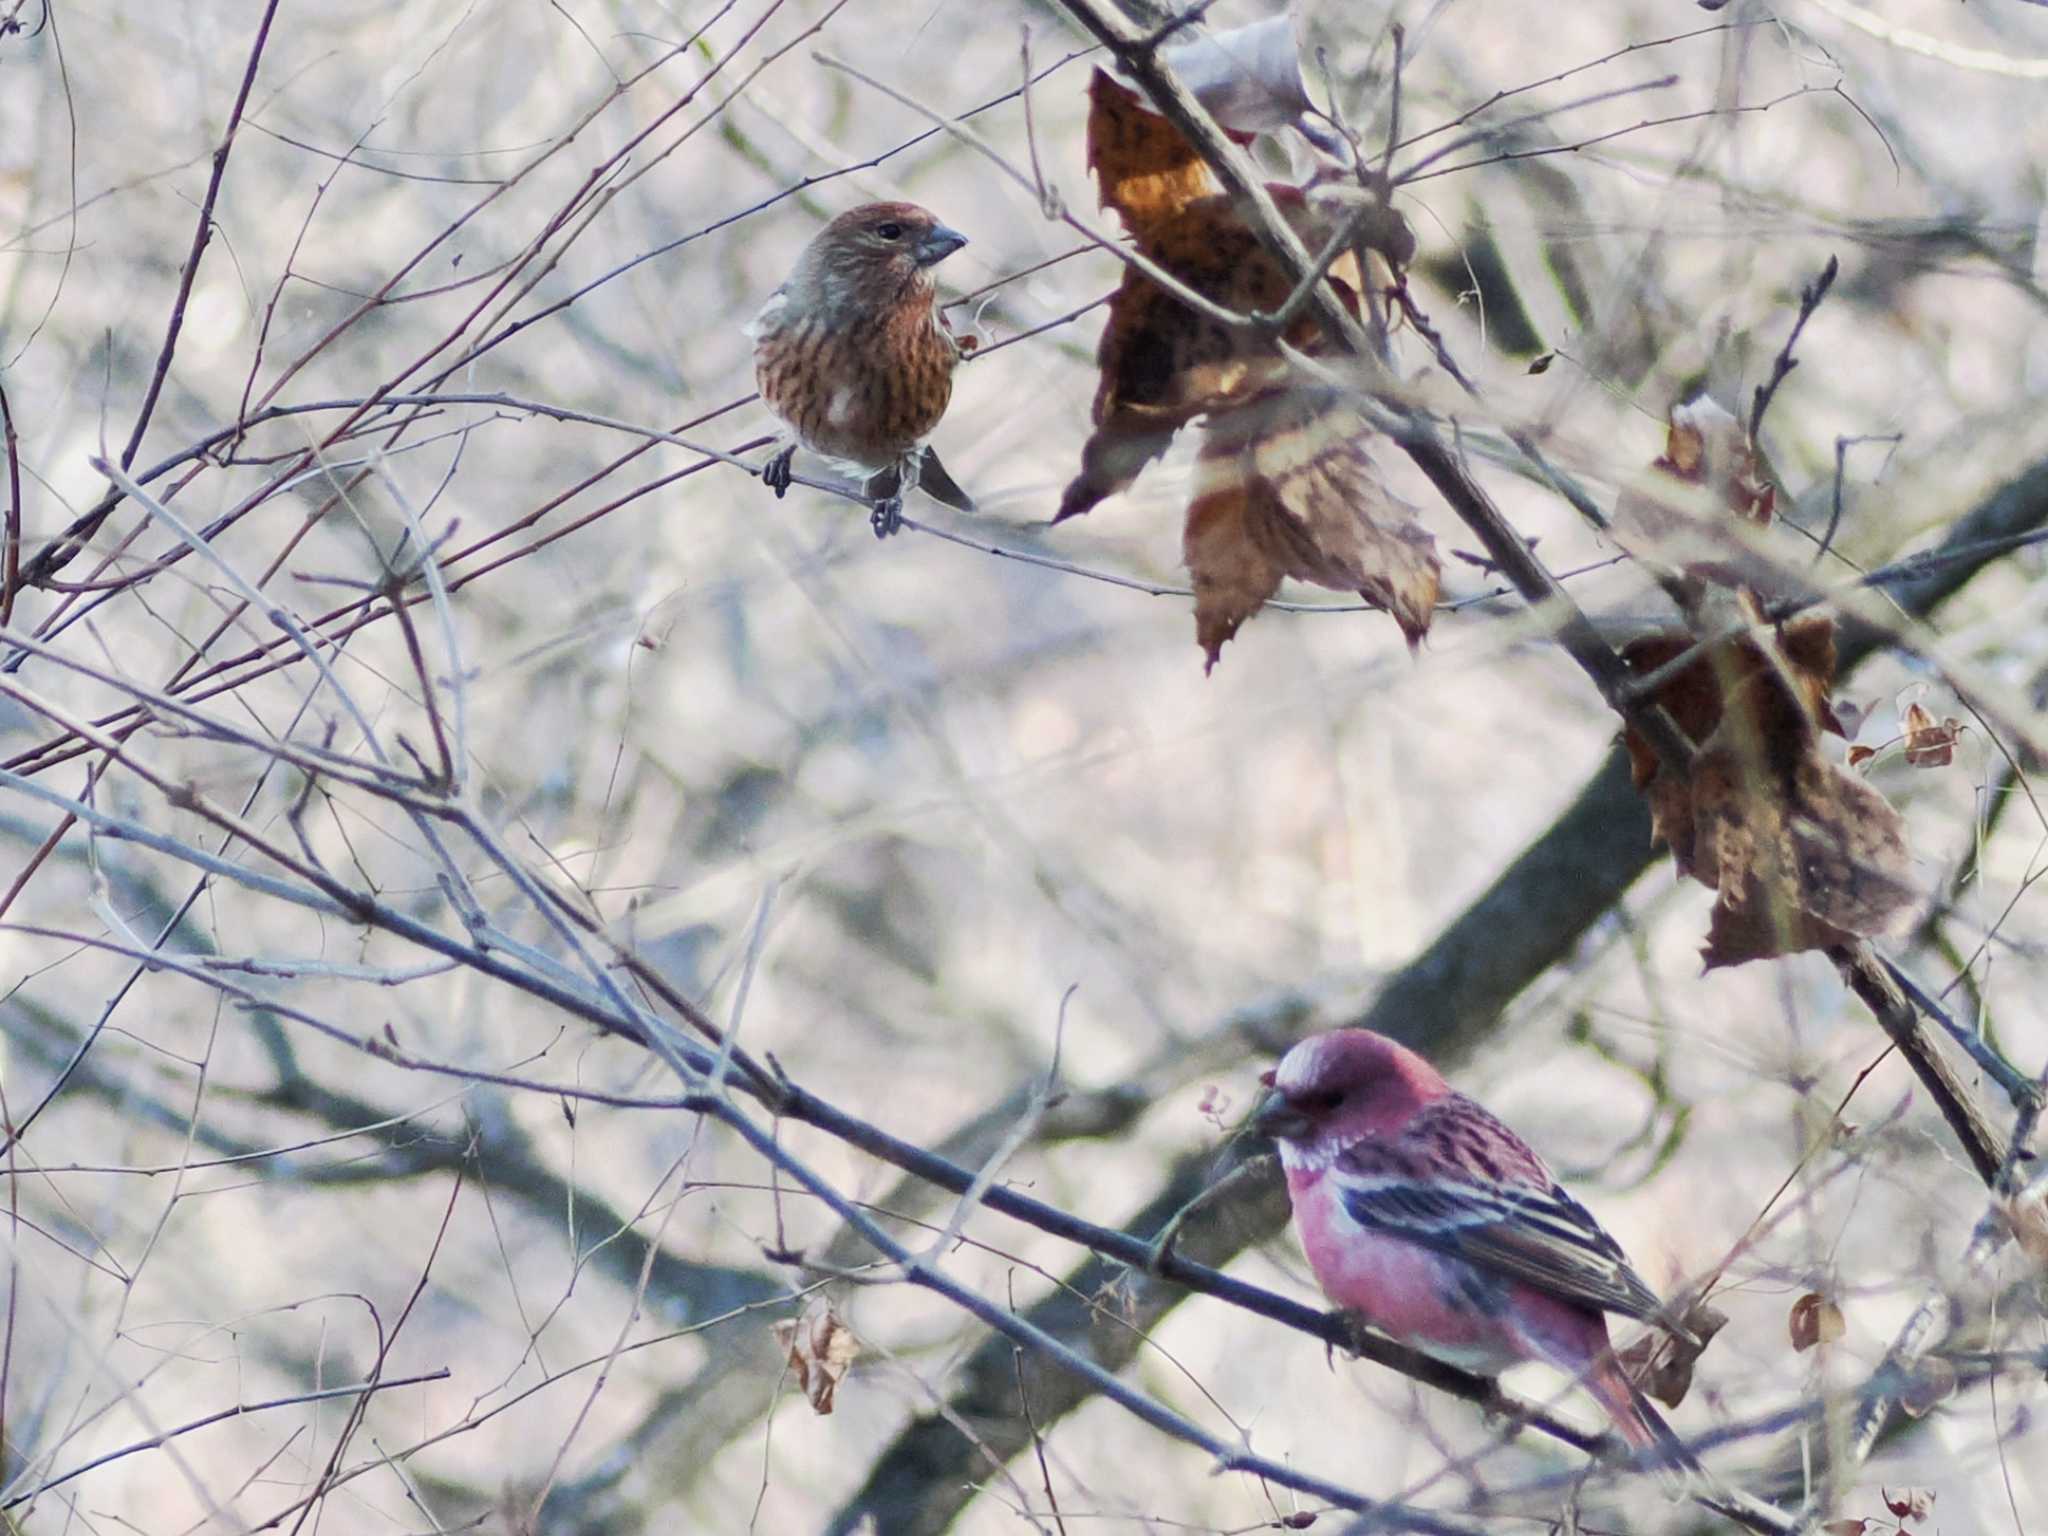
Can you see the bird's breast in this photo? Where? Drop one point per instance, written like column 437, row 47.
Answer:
column 865, row 387
column 1439, row 1304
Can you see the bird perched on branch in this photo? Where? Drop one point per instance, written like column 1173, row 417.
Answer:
column 852, row 357
column 1428, row 1217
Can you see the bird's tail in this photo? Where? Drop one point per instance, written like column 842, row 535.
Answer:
column 1678, row 1469
column 936, row 483
column 1644, row 1428
column 1647, row 1430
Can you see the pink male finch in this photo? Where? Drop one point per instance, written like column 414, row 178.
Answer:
column 851, row 356
column 1428, row 1217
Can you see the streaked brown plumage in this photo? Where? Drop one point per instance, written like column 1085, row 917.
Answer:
column 851, row 356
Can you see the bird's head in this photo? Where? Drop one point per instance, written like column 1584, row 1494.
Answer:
column 874, row 255
column 1335, row 1089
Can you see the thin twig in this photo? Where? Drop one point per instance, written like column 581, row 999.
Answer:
column 1052, row 1500
column 1577, row 69
column 1149, row 1410
column 240, row 1410
column 788, row 1100
column 1809, row 300
column 10, row 552
column 1416, row 171
column 1842, row 447
column 1049, row 202
column 54, row 557
column 1199, row 302
column 1400, row 34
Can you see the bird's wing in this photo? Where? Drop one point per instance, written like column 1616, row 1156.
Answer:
column 1530, row 1231
column 769, row 314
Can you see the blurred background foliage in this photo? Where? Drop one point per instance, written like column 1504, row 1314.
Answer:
column 953, row 819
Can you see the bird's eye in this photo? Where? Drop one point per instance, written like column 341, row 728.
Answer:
column 1318, row 1103
column 889, row 231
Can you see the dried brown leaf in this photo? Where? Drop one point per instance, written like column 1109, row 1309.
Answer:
column 1815, row 1320
column 1929, row 744
column 820, row 1349
column 1162, row 363
column 1803, row 854
column 1696, row 695
column 1911, row 1504
column 1661, row 1363
column 1285, row 486
column 1705, row 483
column 1696, row 699
column 1144, row 166
column 1932, row 1383
column 2027, row 1214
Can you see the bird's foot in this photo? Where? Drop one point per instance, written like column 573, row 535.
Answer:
column 775, row 473
column 885, row 490
column 1356, row 1330
column 1160, row 1249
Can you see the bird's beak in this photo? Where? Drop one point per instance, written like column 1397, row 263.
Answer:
column 1280, row 1120
column 937, row 244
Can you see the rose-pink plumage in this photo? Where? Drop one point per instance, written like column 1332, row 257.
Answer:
column 1423, row 1213
column 852, row 357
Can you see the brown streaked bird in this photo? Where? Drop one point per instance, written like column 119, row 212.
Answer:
column 851, row 356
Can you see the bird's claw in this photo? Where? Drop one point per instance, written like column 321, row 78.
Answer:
column 887, row 518
column 775, row 473
column 1355, row 1328
column 1160, row 1249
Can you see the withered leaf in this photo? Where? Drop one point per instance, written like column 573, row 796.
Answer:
column 1933, row 1382
column 1695, row 697
column 1859, row 755
column 1705, row 481
column 1162, row 364
column 1803, row 854
column 2027, row 1214
column 1815, row 1320
column 1144, row 166
column 1911, row 1504
column 1929, row 744
column 820, row 1348
column 1706, row 445
column 1249, row 78
column 1286, row 487
column 1661, row 1362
